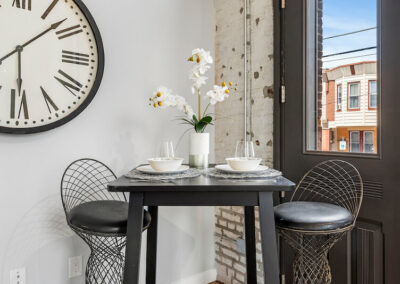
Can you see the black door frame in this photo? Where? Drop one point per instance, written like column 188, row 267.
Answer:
column 384, row 164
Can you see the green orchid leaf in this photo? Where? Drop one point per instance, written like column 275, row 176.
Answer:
column 188, row 121
column 206, row 119
column 200, row 127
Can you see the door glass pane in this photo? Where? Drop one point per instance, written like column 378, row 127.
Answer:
column 341, row 94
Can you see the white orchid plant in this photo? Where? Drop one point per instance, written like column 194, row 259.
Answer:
column 164, row 97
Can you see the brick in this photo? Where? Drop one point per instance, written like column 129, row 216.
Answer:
column 221, row 270
column 240, row 228
column 231, row 217
column 226, row 261
column 238, row 209
column 231, row 235
column 231, row 226
column 239, row 267
column 230, row 253
column 231, row 273
column 229, row 243
column 223, row 223
column 240, row 276
column 257, row 212
column 259, row 257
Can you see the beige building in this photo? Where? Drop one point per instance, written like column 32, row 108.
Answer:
column 349, row 108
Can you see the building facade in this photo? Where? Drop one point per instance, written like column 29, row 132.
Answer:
column 349, row 108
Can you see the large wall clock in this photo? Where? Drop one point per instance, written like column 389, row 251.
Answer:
column 51, row 63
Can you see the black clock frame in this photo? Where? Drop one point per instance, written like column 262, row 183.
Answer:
column 92, row 93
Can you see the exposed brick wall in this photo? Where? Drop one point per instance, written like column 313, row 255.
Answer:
column 330, row 101
column 229, row 227
column 229, row 54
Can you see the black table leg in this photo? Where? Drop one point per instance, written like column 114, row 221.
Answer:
column 134, row 239
column 268, row 238
column 151, row 256
column 251, row 265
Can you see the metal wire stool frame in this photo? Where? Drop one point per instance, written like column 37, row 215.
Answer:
column 83, row 181
column 335, row 182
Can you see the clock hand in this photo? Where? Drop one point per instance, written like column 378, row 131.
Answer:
column 52, row 27
column 19, row 80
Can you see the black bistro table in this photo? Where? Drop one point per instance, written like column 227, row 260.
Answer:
column 201, row 191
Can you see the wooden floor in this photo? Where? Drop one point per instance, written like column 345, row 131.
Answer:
column 216, row 282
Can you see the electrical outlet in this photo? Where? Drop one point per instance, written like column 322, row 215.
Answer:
column 241, row 246
column 75, row 266
column 18, row 276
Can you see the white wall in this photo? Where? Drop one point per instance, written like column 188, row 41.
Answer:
column 146, row 44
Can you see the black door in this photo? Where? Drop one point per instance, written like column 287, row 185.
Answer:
column 338, row 78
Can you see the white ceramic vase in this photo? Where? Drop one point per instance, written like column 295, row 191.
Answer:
column 199, row 149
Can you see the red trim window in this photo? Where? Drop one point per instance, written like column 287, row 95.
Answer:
column 369, row 142
column 339, row 97
column 362, row 141
column 355, row 142
column 353, row 96
column 372, row 94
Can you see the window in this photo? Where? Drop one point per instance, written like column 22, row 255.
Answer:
column 354, row 95
column 355, row 141
column 369, row 142
column 340, row 64
column 373, row 95
column 339, row 97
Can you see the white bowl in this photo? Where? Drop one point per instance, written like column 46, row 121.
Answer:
column 243, row 164
column 165, row 164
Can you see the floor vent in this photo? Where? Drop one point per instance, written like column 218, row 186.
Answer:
column 373, row 189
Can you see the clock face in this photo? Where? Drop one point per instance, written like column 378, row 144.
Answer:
column 51, row 63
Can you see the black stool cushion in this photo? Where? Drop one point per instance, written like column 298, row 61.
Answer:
column 312, row 216
column 107, row 217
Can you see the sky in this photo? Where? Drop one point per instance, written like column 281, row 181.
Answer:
column 343, row 16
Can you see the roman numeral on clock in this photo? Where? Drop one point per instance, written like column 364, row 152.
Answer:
column 49, row 102
column 69, row 83
column 49, row 9
column 74, row 30
column 23, row 4
column 75, row 58
column 23, row 105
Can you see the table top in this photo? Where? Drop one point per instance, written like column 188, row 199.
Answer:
column 202, row 183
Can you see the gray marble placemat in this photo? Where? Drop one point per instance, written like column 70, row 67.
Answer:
column 135, row 174
column 269, row 173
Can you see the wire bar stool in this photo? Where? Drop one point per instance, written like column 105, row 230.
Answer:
column 323, row 208
column 97, row 216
